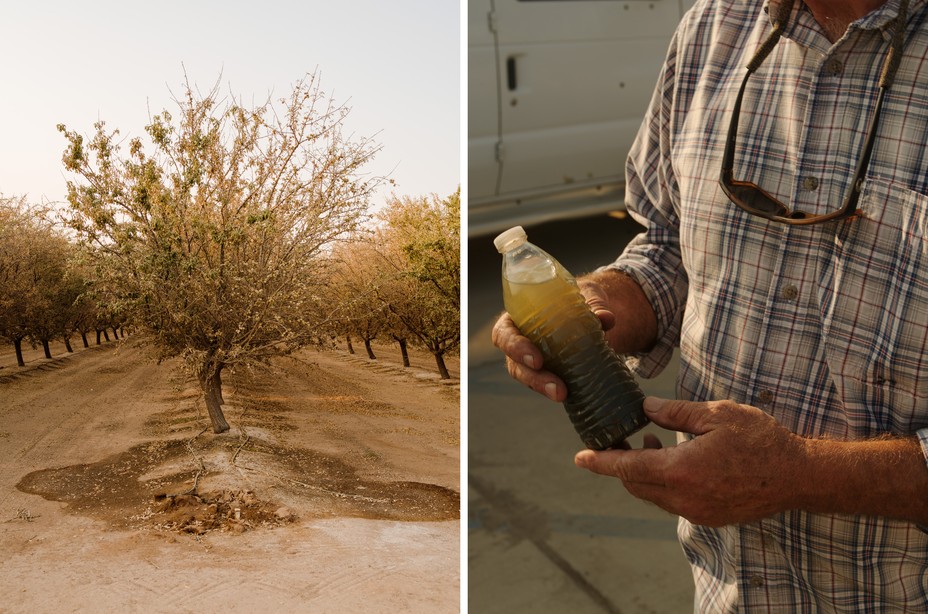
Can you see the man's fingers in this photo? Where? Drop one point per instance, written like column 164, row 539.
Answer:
column 684, row 416
column 543, row 382
column 640, row 466
column 695, row 417
column 524, row 360
column 508, row 338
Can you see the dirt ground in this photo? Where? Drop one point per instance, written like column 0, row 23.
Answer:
column 337, row 488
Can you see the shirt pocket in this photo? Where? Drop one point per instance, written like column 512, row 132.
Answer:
column 875, row 311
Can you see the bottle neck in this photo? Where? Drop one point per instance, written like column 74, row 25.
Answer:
column 513, row 244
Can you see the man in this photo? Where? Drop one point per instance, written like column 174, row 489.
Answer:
column 792, row 272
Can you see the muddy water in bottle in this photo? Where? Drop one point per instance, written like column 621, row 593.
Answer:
column 603, row 401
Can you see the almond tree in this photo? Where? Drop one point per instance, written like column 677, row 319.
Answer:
column 353, row 291
column 36, row 289
column 18, row 240
column 421, row 244
column 56, row 289
column 397, row 329
column 212, row 228
column 85, row 315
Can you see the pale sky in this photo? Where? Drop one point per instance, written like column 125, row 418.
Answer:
column 396, row 64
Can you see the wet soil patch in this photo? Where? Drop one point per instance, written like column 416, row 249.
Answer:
column 110, row 489
column 337, row 487
column 194, row 486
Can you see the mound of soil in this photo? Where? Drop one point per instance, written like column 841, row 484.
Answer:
column 223, row 511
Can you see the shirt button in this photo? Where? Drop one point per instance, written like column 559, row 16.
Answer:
column 834, row 67
column 790, row 292
column 757, row 581
column 764, row 398
column 809, row 183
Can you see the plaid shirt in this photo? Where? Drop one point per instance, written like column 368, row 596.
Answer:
column 824, row 327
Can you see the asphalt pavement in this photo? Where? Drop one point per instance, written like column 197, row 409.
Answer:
column 544, row 536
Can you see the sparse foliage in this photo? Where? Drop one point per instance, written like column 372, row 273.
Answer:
column 40, row 289
column 420, row 244
column 353, row 285
column 210, row 234
column 403, row 281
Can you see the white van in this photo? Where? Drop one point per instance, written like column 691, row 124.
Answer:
column 556, row 93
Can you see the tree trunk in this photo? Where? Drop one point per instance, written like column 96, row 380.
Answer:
column 48, row 352
column 440, row 361
column 350, row 347
column 98, row 337
column 404, row 351
column 84, row 339
column 217, row 384
column 67, row 344
column 370, row 351
column 106, row 335
column 18, row 344
column 212, row 394
column 115, row 333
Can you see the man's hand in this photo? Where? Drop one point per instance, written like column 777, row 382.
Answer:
column 741, row 466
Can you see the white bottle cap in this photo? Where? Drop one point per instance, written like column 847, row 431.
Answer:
column 510, row 239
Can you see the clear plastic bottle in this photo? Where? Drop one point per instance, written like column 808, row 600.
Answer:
column 603, row 399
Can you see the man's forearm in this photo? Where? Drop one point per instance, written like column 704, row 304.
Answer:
column 880, row 477
column 635, row 327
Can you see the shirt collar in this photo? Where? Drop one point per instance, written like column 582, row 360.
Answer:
column 878, row 19
column 883, row 17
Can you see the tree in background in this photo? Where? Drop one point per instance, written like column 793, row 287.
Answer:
column 85, row 314
column 394, row 326
column 19, row 237
column 421, row 245
column 353, row 284
column 210, row 235
column 38, row 288
column 51, row 313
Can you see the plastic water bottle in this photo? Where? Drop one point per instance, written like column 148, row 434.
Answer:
column 603, row 400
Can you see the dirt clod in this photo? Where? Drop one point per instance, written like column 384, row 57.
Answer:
column 216, row 511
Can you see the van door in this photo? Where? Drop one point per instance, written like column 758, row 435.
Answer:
column 573, row 79
column 483, row 110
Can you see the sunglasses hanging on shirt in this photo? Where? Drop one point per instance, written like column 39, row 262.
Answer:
column 756, row 200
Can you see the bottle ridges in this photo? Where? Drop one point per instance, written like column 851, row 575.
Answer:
column 604, row 401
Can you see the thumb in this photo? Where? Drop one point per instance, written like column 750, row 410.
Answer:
column 606, row 317
column 684, row 416
column 596, row 300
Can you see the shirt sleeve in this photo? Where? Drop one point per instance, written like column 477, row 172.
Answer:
column 653, row 258
column 922, row 435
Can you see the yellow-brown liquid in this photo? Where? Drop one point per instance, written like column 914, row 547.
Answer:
column 604, row 401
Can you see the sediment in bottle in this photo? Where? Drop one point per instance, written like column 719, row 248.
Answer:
column 604, row 401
